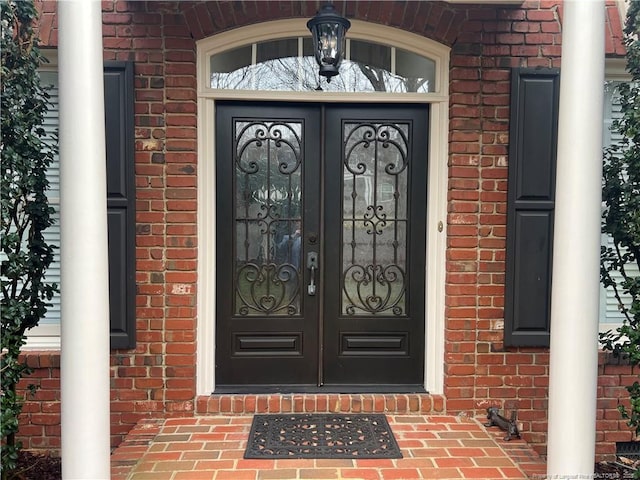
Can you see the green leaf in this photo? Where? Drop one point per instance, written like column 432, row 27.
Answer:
column 25, row 212
column 621, row 220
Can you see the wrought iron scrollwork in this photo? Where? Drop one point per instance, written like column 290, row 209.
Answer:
column 259, row 134
column 375, row 219
column 376, row 289
column 374, row 268
column 268, row 289
column 268, row 157
column 385, row 135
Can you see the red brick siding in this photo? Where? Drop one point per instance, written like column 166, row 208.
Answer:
column 40, row 419
column 158, row 377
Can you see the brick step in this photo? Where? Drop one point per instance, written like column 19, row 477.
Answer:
column 392, row 403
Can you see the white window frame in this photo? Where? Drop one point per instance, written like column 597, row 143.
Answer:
column 46, row 336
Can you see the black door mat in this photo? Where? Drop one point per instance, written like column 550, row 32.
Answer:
column 321, row 436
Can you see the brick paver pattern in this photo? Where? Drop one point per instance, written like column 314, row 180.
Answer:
column 211, row 448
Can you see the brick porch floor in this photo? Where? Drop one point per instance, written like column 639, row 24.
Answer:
column 211, row 447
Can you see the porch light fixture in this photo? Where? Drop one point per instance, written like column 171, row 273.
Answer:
column 328, row 31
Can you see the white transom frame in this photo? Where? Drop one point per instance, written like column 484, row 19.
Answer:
column 436, row 210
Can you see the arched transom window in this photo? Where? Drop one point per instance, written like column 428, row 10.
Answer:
column 288, row 64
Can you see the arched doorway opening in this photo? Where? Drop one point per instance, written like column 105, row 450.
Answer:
column 387, row 70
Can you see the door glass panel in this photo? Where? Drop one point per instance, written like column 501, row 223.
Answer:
column 268, row 196
column 374, row 218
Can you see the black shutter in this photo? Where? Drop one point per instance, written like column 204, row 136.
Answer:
column 530, row 205
column 119, row 118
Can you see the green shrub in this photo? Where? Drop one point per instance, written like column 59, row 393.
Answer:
column 26, row 213
column 621, row 220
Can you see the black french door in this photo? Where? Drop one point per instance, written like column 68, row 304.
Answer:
column 320, row 262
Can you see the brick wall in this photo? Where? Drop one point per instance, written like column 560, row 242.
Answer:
column 158, row 377
column 40, row 419
column 614, row 375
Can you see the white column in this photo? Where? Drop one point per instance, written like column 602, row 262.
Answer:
column 84, row 261
column 576, row 250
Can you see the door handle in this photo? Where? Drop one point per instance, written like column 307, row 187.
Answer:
column 312, row 265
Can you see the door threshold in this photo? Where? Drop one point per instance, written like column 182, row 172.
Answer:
column 293, row 389
column 321, row 402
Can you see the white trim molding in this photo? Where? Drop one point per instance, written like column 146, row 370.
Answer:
column 438, row 102
column 43, row 337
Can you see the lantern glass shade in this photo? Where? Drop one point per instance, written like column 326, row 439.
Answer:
column 328, row 32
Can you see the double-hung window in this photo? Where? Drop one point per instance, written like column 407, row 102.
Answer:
column 610, row 315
